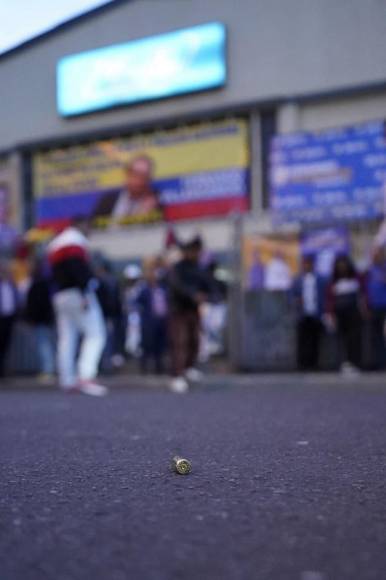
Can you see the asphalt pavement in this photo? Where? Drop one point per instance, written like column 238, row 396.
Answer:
column 288, row 482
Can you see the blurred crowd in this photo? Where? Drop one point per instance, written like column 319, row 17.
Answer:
column 330, row 297
column 87, row 316
column 342, row 304
column 168, row 314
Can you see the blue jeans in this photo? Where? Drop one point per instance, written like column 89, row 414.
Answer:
column 45, row 339
column 76, row 319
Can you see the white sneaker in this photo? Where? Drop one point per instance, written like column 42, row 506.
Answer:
column 179, row 385
column 194, row 375
column 349, row 371
column 92, row 389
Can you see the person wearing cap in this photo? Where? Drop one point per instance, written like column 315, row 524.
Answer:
column 77, row 310
column 188, row 288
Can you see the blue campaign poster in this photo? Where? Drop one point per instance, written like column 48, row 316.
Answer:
column 324, row 245
column 332, row 175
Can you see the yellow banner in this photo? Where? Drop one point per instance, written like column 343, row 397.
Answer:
column 177, row 152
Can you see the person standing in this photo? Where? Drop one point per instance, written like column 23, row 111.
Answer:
column 110, row 299
column 9, row 303
column 77, row 310
column 376, row 295
column 40, row 314
column 308, row 292
column 346, row 305
column 153, row 309
column 277, row 274
column 188, row 288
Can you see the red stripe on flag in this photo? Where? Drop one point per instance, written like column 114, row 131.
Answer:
column 55, row 224
column 208, row 207
column 189, row 210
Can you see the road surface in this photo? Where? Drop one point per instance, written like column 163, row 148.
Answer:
column 288, row 483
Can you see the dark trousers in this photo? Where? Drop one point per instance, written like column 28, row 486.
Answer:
column 184, row 336
column 378, row 317
column 308, row 340
column 6, row 326
column 153, row 343
column 115, row 341
column 349, row 326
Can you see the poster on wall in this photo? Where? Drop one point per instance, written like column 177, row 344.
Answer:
column 324, row 246
column 183, row 173
column 270, row 262
column 337, row 174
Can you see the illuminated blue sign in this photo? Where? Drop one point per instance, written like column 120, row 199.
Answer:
column 184, row 61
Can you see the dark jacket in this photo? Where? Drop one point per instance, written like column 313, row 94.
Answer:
column 109, row 295
column 186, row 280
column 38, row 308
column 347, row 301
column 106, row 203
column 297, row 294
column 72, row 273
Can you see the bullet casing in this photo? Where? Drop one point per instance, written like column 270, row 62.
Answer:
column 181, row 465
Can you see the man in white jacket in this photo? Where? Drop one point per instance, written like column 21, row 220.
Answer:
column 77, row 311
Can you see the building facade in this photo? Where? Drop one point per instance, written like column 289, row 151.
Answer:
column 299, row 65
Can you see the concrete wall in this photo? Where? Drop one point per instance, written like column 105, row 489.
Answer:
column 218, row 233
column 10, row 177
column 332, row 112
column 343, row 111
column 147, row 241
column 277, row 49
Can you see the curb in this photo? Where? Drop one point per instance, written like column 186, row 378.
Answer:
column 218, row 381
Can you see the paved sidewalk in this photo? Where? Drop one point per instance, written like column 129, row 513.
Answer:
column 219, row 380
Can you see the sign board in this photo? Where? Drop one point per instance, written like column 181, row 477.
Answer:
column 270, row 262
column 331, row 175
column 184, row 61
column 324, row 245
column 183, row 173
